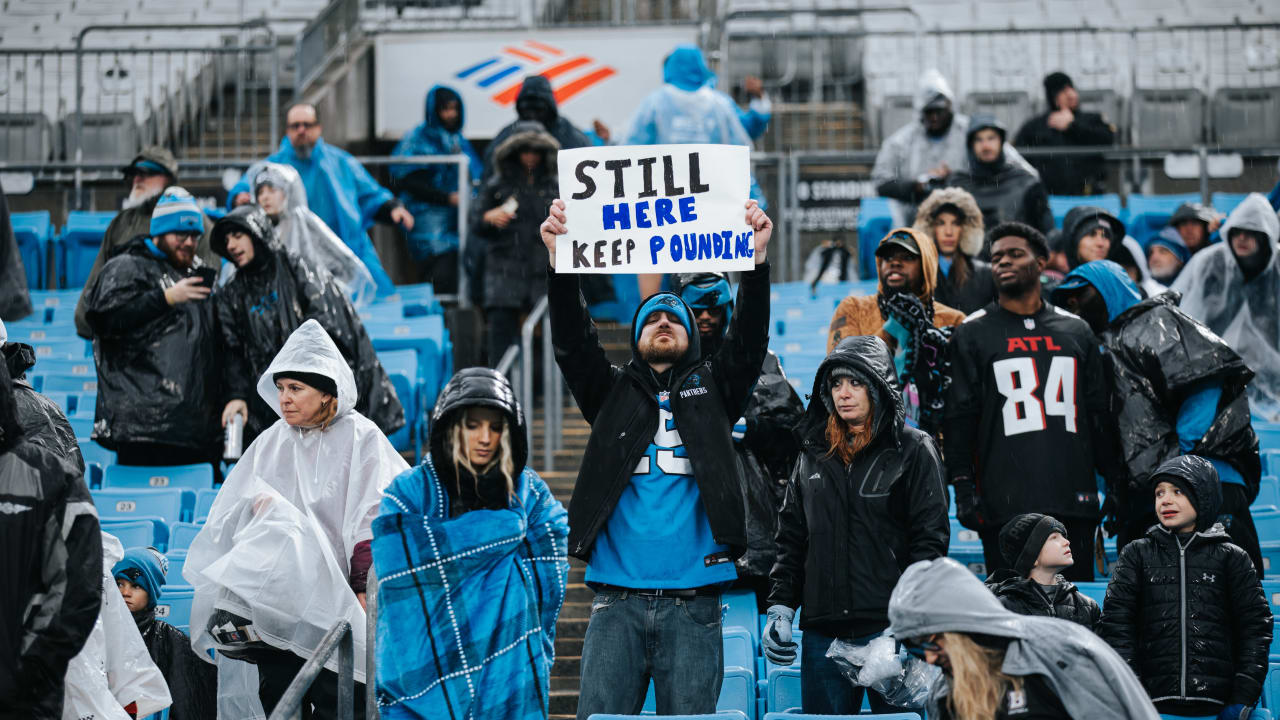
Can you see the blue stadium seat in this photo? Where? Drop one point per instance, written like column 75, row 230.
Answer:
column 132, row 533
column 79, row 243
column 70, row 383
column 170, row 505
column 784, row 690
column 204, row 503
column 195, row 477
column 66, row 401
column 739, row 648
column 1270, row 554
column 721, row 715
column 740, row 611
column 1225, row 202
column 72, row 349
column 177, row 558
column 33, row 230
column 420, row 294
column 1268, row 435
column 1148, row 214
column 96, row 459
column 1268, row 525
column 382, row 311
column 1061, row 204
column 181, row 534
column 425, row 335
column 738, row 692
column 82, row 425
column 1271, row 588
column 1095, row 590
column 1268, row 494
column 865, row 716
column 78, row 367
column 174, row 606
column 40, row 334
column 1271, row 690
column 56, row 298
column 875, row 220
column 1270, row 462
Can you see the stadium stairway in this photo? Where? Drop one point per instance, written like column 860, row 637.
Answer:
column 572, row 626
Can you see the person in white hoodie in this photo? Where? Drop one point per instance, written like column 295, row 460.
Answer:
column 285, row 552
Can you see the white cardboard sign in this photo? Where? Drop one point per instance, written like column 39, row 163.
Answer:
column 655, row 209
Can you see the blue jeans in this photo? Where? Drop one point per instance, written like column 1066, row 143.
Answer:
column 824, row 689
column 633, row 638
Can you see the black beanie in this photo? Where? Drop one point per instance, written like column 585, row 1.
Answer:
column 1022, row 538
column 323, row 383
column 1053, row 84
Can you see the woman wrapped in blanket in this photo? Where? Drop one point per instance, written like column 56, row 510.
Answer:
column 471, row 552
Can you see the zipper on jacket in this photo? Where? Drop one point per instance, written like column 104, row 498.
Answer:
column 1182, row 581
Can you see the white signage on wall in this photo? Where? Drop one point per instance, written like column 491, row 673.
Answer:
column 596, row 73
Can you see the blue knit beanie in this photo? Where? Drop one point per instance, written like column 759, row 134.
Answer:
column 176, row 212
column 1171, row 240
column 146, row 568
column 667, row 302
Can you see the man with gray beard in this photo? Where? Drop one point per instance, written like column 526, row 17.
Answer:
column 148, row 175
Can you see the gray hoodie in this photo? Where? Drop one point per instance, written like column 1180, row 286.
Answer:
column 1090, row 679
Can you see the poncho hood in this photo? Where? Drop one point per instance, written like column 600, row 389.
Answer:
column 1111, row 282
column 440, row 94
column 283, row 177
column 932, row 84
column 686, row 68
column 310, row 349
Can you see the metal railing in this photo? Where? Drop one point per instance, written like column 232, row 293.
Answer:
column 522, row 378
column 337, row 639
column 325, row 39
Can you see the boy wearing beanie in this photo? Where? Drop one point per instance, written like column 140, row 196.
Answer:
column 1038, row 550
column 193, row 682
column 1185, row 608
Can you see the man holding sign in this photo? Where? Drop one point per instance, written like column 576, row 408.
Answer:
column 657, row 511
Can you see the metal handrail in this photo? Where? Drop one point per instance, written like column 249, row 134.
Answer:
column 371, row 646
column 538, row 315
column 338, row 638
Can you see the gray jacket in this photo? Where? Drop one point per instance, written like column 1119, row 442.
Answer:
column 1089, row 678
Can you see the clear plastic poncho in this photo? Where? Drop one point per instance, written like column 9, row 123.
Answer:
column 277, row 546
column 113, row 669
column 304, row 233
column 1245, row 314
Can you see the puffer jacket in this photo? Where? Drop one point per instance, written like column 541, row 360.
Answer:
column 846, row 534
column 1188, row 613
column 1021, row 595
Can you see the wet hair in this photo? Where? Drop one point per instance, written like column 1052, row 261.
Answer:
column 977, row 684
column 462, row 460
column 1012, row 228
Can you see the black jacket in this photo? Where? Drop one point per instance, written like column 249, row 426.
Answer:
column 1068, row 174
column 975, row 293
column 1004, row 192
column 846, row 533
column 43, row 422
column 537, row 102
column 1024, row 596
column 193, row 683
column 270, row 298
column 158, row 366
column 52, row 556
column 1189, row 615
column 621, row 405
column 15, row 301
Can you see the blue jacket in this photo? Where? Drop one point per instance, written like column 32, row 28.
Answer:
column 467, row 605
column 435, row 227
column 343, row 194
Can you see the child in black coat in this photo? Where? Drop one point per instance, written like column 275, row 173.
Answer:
column 1037, row 548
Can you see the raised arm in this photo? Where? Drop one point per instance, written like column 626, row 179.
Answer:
column 737, row 364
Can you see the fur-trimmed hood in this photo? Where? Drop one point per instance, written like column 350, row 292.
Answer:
column 974, row 233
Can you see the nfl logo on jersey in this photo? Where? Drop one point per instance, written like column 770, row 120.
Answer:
column 1029, row 323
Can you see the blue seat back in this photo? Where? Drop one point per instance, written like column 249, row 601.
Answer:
column 169, row 504
column 1149, row 214
column 1095, row 590
column 739, row 648
column 204, row 503
column 132, row 533
column 70, row 383
column 195, row 477
column 177, row 558
column 74, row 349
column 32, row 230
column 869, row 716
column 784, row 690
column 97, row 457
column 80, row 242
column 174, row 606
column 875, row 220
column 181, row 534
column 738, row 692
column 740, row 611
column 76, row 367
column 1060, row 205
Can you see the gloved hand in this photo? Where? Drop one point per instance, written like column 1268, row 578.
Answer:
column 776, row 641
column 1235, row 712
column 968, row 504
column 740, row 429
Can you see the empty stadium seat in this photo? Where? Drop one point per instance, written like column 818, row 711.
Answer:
column 56, row 298
column 66, row 366
column 177, row 558
column 720, row 715
column 1170, row 118
column 33, row 231
column 426, row 336
column 66, row 349
column 1095, row 590
column 174, row 606
column 1012, row 108
column 79, row 244
column 204, row 503
column 181, row 534
column 737, row 692
column 1225, row 202
column 1060, row 205
column 1149, row 214
column 82, row 425
column 868, row 716
column 171, row 505
column 96, row 460
column 1271, row 690
column 106, row 136
column 1106, row 103
column 1267, row 523
column 1268, row 435
column 1246, row 116
column 1272, row 590
column 784, row 690
column 739, row 648
column 895, row 111
column 70, row 383
column 195, row 477
column 38, row 333
column 26, row 137
column 740, row 611
column 131, row 533
column 875, row 220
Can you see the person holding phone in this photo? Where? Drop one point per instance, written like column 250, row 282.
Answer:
column 155, row 344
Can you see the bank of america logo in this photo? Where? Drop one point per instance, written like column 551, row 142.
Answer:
column 506, row 71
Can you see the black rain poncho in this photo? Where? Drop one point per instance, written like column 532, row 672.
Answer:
column 270, row 298
column 1244, row 312
column 15, row 301
column 193, row 683
column 42, row 421
column 51, row 554
column 157, row 364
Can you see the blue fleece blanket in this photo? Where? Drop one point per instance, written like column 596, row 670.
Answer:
column 467, row 606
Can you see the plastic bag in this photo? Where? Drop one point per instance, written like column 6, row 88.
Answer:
column 903, row 679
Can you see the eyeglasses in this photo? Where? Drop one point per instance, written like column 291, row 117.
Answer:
column 917, row 647
column 301, row 125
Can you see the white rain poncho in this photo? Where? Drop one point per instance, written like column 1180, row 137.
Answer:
column 114, row 669
column 306, row 235
column 277, row 546
column 1245, row 314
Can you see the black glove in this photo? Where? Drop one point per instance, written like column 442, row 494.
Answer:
column 968, row 504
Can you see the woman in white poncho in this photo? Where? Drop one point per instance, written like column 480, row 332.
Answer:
column 285, row 551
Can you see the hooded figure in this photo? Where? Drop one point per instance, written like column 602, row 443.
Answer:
column 687, row 109
column 266, row 301
column 15, row 301
column 514, row 256
column 112, row 677
column 303, row 233
column 52, row 552
column 963, row 282
column 1004, row 190
column 1186, row 610
column 425, row 190
column 1239, row 300
column 474, row 565
column 1088, row 678
column 43, row 423
column 1082, row 220
column 193, row 682
column 535, row 103
column 850, row 525
column 1175, row 388
column 296, row 511
column 1129, row 256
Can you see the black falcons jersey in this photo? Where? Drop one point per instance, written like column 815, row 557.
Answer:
column 1018, row 417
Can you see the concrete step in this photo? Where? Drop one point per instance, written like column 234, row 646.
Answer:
column 568, row 646
column 569, row 666
column 564, row 702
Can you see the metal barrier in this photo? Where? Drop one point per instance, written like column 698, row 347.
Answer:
column 326, row 39
column 338, row 638
column 552, row 383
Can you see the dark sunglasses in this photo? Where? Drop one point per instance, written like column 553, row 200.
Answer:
column 917, row 647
